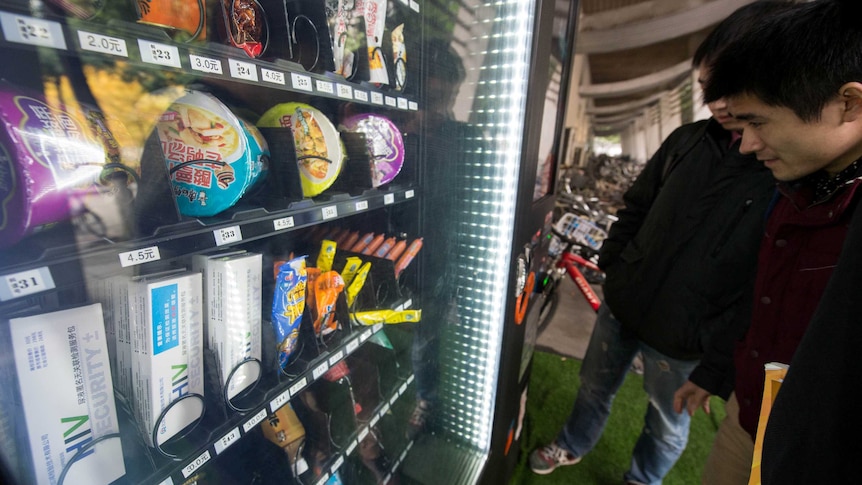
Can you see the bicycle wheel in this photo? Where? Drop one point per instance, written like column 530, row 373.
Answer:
column 549, row 306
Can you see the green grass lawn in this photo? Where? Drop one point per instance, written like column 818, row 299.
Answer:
column 553, row 385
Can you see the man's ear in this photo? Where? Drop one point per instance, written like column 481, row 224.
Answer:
column 851, row 94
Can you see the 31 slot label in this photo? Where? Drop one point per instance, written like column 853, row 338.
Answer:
column 26, row 283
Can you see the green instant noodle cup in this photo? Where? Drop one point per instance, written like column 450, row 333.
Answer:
column 319, row 150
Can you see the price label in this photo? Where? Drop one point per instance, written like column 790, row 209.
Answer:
column 301, row 82
column 28, row 30
column 399, row 308
column 329, row 212
column 274, row 77
column 362, row 205
column 414, row 5
column 337, row 463
column 167, row 481
column 413, row 105
column 325, row 86
column 410, row 379
column 409, row 194
column 242, row 70
column 283, row 223
column 102, row 44
column 393, row 399
column 205, row 64
column 390, row 101
column 402, row 388
column 227, row 235
column 405, row 2
column 403, row 455
column 226, row 441
column 375, row 419
column 320, row 370
column 408, row 303
column 385, row 409
column 360, row 95
column 388, row 199
column 344, row 91
column 200, row 461
column 377, row 327
column 351, row 447
column 159, row 54
column 251, row 423
column 26, row 283
column 363, row 434
column 365, row 335
column 298, row 386
column 323, row 479
column 353, row 345
column 376, row 98
column 336, row 357
column 279, row 401
column 140, row 256
column 402, row 103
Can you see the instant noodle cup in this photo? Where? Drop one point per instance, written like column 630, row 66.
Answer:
column 319, row 151
column 258, row 154
column 48, row 156
column 384, row 142
column 207, row 153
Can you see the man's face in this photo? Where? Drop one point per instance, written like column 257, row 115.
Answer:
column 718, row 108
column 790, row 147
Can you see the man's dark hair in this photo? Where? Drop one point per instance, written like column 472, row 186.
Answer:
column 797, row 59
column 734, row 25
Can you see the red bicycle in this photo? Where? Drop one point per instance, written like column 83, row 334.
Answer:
column 574, row 250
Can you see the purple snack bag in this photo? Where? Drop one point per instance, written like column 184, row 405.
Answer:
column 385, row 145
column 47, row 155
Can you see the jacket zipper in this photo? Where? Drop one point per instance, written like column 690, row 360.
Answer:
column 730, row 227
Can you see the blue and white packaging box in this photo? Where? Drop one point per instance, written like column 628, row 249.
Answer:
column 232, row 314
column 167, row 352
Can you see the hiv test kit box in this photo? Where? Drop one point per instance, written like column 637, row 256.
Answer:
column 113, row 294
column 232, row 314
column 64, row 375
column 167, row 352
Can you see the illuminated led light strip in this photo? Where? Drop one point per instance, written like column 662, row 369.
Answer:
column 474, row 354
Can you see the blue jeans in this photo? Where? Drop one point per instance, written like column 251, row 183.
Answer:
column 608, row 359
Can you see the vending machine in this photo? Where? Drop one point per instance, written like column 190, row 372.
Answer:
column 273, row 241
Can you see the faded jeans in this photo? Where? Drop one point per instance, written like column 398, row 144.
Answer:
column 607, row 361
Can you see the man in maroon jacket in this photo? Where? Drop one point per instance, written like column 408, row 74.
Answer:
column 796, row 82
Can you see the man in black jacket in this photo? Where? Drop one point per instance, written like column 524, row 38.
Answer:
column 676, row 264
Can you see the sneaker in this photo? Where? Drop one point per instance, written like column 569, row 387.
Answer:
column 546, row 459
column 418, row 419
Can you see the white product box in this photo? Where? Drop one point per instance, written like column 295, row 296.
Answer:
column 167, row 347
column 232, row 314
column 65, row 378
column 113, row 294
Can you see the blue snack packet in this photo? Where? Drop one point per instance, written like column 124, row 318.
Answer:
column 288, row 305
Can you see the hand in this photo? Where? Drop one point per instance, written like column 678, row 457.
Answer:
column 691, row 396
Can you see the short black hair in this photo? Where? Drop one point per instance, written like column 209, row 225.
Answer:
column 733, row 26
column 798, row 59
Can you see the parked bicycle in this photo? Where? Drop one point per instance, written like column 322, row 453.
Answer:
column 574, row 249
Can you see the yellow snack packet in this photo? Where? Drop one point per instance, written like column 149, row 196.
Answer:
column 351, row 266
column 326, row 256
column 357, row 283
column 388, row 317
